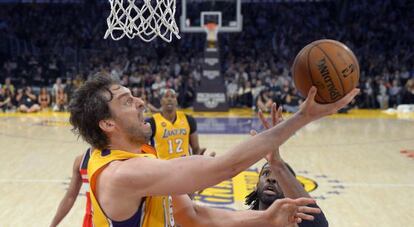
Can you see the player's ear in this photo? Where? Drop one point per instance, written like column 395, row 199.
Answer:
column 107, row 125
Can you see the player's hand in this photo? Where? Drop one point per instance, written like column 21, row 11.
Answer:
column 212, row 154
column 202, row 151
column 287, row 212
column 276, row 115
column 313, row 110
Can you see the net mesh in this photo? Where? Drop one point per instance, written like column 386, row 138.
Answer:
column 212, row 31
column 146, row 19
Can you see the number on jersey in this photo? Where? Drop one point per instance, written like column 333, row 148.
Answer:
column 175, row 146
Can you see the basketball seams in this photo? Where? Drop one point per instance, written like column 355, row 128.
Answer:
column 310, row 73
column 336, row 70
column 350, row 54
column 350, row 79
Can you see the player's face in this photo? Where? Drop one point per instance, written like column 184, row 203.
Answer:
column 268, row 189
column 169, row 101
column 128, row 114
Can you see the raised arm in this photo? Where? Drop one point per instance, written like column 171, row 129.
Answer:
column 290, row 186
column 71, row 194
column 182, row 175
column 189, row 174
column 281, row 213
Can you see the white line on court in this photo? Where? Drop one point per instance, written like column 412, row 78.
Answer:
column 376, row 185
column 33, row 181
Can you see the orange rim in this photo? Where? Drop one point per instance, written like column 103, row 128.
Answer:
column 210, row 26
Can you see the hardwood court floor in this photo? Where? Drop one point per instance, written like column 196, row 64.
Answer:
column 355, row 159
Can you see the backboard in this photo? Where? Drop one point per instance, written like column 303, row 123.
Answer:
column 195, row 14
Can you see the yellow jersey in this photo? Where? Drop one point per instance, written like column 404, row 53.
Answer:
column 154, row 211
column 172, row 140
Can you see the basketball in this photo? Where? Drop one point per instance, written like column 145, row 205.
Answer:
column 328, row 65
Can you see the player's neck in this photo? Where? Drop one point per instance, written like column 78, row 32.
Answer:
column 169, row 115
column 125, row 145
column 263, row 206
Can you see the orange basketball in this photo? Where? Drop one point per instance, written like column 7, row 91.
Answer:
column 330, row 66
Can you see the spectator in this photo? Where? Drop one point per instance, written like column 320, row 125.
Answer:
column 158, row 84
column 186, row 93
column 270, row 42
column 245, row 97
column 141, row 93
column 231, row 92
column 58, row 85
column 292, row 101
column 264, row 102
column 258, row 87
column 155, row 99
column 383, row 97
column 4, row 100
column 368, row 93
column 27, row 101
column 44, row 98
column 395, row 94
column 9, row 86
column 70, row 87
column 408, row 92
column 61, row 100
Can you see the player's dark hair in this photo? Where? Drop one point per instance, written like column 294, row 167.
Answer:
column 88, row 106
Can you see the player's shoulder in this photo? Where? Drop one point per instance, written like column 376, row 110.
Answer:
column 78, row 161
column 189, row 117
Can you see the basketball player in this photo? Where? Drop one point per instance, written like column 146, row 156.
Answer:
column 174, row 133
column 131, row 187
column 277, row 180
column 79, row 178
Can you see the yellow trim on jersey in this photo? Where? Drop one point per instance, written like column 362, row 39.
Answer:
column 156, row 210
column 172, row 140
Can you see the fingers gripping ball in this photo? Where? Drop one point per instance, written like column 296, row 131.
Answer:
column 328, row 65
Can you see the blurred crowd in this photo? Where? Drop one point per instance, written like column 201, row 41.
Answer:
column 48, row 50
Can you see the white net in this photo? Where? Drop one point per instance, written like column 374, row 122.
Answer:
column 146, row 19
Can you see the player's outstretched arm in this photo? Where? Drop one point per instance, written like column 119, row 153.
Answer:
column 291, row 187
column 284, row 212
column 189, row 174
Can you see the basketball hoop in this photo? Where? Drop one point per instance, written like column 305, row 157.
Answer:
column 212, row 31
column 151, row 19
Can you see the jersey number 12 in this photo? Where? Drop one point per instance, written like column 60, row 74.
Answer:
column 177, row 143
